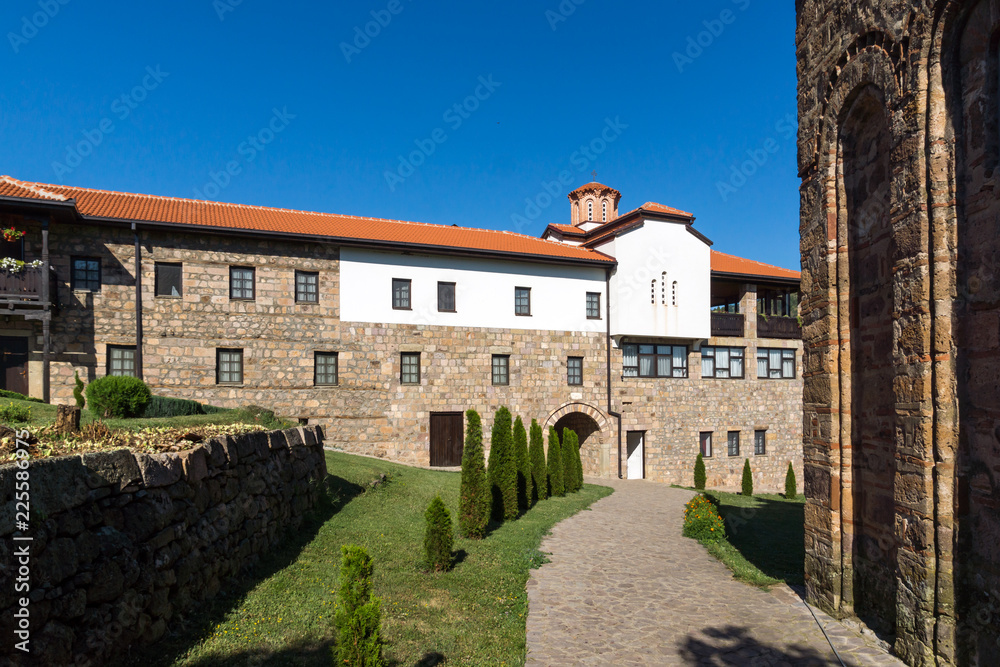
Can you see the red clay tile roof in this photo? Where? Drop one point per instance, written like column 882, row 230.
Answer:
column 660, row 208
column 149, row 208
column 723, row 263
column 593, row 185
column 568, row 229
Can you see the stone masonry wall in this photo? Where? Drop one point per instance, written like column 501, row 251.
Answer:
column 123, row 543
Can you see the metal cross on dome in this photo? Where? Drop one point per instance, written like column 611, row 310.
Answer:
column 594, row 174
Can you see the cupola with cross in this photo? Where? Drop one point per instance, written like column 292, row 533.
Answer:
column 592, row 205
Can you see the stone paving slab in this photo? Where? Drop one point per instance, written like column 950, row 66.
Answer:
column 624, row 587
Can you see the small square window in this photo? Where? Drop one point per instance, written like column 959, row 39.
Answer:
column 409, row 368
column 734, row 443
column 86, row 274
column 306, row 287
column 776, row 363
column 722, row 362
column 326, row 368
column 241, row 283
column 760, row 443
column 229, row 366
column 501, row 369
column 400, row 294
column 574, row 371
column 121, row 360
column 593, row 306
column 446, row 297
column 522, row 301
column 706, row 444
column 169, row 279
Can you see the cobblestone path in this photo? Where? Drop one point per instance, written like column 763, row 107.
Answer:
column 625, row 588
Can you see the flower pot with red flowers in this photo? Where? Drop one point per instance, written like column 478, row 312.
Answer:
column 10, row 235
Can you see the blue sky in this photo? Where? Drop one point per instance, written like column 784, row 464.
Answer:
column 695, row 102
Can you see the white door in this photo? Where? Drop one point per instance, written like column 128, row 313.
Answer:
column 635, row 454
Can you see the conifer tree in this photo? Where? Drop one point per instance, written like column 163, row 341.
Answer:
column 438, row 537
column 790, row 490
column 747, row 479
column 536, row 456
column 579, row 462
column 81, row 402
column 523, row 467
column 569, row 467
column 358, row 615
column 699, row 472
column 502, row 471
column 474, row 497
column 555, row 465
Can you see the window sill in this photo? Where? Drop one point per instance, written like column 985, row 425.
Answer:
column 169, row 296
column 318, row 384
column 522, row 314
column 241, row 299
column 229, row 384
column 447, row 311
column 306, row 303
column 409, row 384
column 595, row 318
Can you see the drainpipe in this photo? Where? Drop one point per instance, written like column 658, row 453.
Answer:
column 138, row 303
column 607, row 317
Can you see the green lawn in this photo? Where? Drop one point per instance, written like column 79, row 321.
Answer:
column 765, row 537
column 472, row 615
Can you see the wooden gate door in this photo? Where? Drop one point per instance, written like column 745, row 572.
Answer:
column 14, row 364
column 446, row 439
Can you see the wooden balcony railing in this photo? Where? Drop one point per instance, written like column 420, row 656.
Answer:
column 778, row 327
column 26, row 287
column 727, row 324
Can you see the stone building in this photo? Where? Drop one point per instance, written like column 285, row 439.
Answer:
column 627, row 328
column 899, row 148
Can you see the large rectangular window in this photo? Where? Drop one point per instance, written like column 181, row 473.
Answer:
column 121, row 360
column 760, row 442
column 734, row 443
column 721, row 362
column 501, row 369
column 400, row 294
column 241, row 283
column 325, row 368
column 775, row 363
column 574, row 371
column 409, row 368
column 86, row 274
column 522, row 301
column 446, row 297
column 169, row 279
column 306, row 287
column 229, row 366
column 706, row 444
column 655, row 361
column 593, row 305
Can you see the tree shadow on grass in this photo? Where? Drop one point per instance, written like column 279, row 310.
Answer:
column 732, row 645
column 770, row 535
column 187, row 631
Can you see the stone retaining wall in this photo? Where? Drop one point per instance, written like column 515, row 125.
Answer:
column 123, row 542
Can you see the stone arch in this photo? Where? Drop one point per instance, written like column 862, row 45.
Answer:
column 593, row 429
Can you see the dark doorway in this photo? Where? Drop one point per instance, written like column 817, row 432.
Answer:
column 446, row 439
column 14, row 364
column 590, row 448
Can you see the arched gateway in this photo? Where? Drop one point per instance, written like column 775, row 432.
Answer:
column 593, row 429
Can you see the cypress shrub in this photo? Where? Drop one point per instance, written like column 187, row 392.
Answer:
column 438, row 538
column 790, row 490
column 569, row 468
column 81, row 402
column 523, row 468
column 699, row 472
column 474, row 497
column 555, row 465
column 536, row 454
column 118, row 396
column 747, row 479
column 502, row 472
column 358, row 614
column 578, row 460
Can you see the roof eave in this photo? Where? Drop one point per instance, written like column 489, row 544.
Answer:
column 756, row 277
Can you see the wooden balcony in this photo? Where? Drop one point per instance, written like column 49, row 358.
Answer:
column 728, row 324
column 778, row 327
column 26, row 288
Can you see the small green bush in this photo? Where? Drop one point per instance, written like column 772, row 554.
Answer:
column 162, row 406
column 790, row 490
column 438, row 538
column 81, row 402
column 555, row 465
column 702, row 521
column 358, row 615
column 747, row 479
column 254, row 414
column 118, row 396
column 19, row 397
column 474, row 496
column 699, row 473
column 15, row 414
column 521, row 463
column 536, row 455
column 502, row 470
